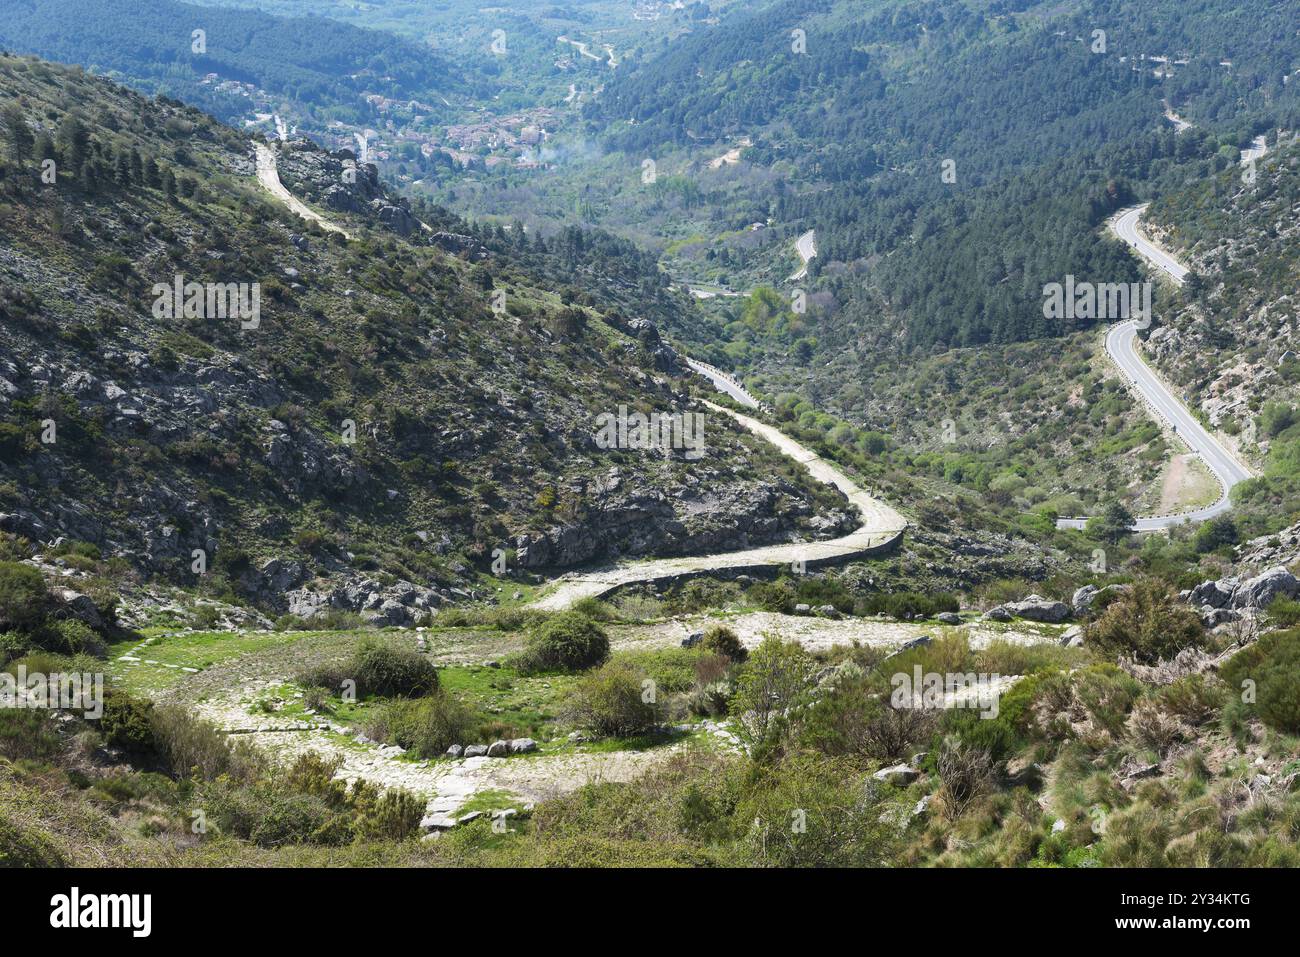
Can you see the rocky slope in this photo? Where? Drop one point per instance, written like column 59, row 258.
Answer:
column 1232, row 342
column 385, row 422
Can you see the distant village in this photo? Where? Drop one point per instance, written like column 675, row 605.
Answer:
column 407, row 127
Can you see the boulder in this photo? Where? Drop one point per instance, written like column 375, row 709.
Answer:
column 948, row 618
column 476, row 751
column 897, row 774
column 455, row 751
column 1083, row 599
column 498, row 749
column 693, row 639
column 909, row 645
column 997, row 614
column 1212, row 617
column 1038, row 608
column 1259, row 592
column 80, row 607
column 523, row 746
column 802, row 609
column 1216, row 594
column 827, row 611
column 1072, row 637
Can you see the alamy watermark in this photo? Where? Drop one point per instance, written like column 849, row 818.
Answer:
column 73, row 691
column 1102, row 300
column 209, row 300
column 932, row 691
column 635, row 430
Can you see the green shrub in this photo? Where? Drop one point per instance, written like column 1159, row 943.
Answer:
column 721, row 640
column 906, row 605
column 1269, row 673
column 851, row 717
column 23, row 599
column 13, row 645
column 127, row 723
column 612, row 702
column 426, row 727
column 775, row 596
column 774, row 679
column 187, row 745
column 28, row 733
column 380, row 671
column 25, row 846
column 1146, row 623
column 1284, row 612
column 568, row 641
column 394, row 815
column 70, row 637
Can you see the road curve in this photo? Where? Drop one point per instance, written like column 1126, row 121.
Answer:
column 269, row 177
column 1121, row 345
column 881, row 527
column 724, row 382
column 806, row 247
column 1125, row 225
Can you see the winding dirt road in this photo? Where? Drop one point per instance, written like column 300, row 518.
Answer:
column 881, row 525
column 269, row 176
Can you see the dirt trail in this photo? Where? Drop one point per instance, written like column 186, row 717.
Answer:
column 881, row 526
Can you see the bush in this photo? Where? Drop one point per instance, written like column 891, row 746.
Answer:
column 187, row 745
column 721, row 640
column 27, row 733
column 1146, row 623
column 852, row 718
column 127, row 723
column 612, row 702
column 965, row 772
column 13, row 645
column 23, row 600
column 775, row 596
column 907, row 605
column 70, row 637
column 22, row 845
column 1284, row 612
column 1266, row 675
column 774, row 679
column 426, row 727
column 380, row 671
column 568, row 641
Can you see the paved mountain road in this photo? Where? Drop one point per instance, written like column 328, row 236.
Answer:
column 806, row 247
column 1121, row 345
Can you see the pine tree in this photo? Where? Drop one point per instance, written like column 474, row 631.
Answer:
column 16, row 132
column 75, row 140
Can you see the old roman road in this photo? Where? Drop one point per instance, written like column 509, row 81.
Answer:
column 1121, row 344
column 269, row 177
column 881, row 525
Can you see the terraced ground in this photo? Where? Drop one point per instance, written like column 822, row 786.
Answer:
column 243, row 682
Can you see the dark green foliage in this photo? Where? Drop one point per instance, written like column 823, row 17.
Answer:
column 907, row 605
column 614, row 701
column 23, row 602
column 721, row 640
column 1269, row 672
column 380, row 671
column 568, row 641
column 426, row 727
column 1146, row 623
column 27, row 733
column 127, row 724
